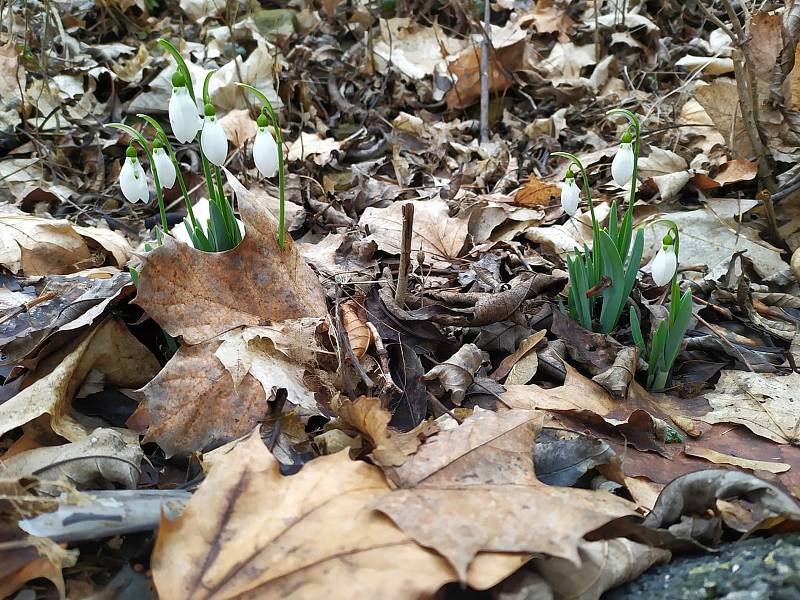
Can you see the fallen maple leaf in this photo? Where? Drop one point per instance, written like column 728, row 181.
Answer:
column 249, row 532
column 198, row 295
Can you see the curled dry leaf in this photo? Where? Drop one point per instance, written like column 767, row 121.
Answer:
column 525, row 347
column 109, row 348
column 250, row 532
column 354, row 320
column 390, row 447
column 457, row 373
column 765, row 403
column 253, row 284
column 103, row 455
column 695, row 493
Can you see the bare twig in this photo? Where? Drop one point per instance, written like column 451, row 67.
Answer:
column 485, row 43
column 405, row 255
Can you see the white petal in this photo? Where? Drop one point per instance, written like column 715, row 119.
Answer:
column 183, row 115
column 165, row 168
column 133, row 181
column 214, row 142
column 140, row 182
column 265, row 153
column 622, row 165
column 664, row 266
column 238, row 188
column 570, row 196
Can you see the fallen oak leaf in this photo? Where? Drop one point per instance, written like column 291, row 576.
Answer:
column 315, row 537
column 255, row 283
column 354, row 321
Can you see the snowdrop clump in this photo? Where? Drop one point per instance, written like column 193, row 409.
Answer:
column 219, row 230
column 601, row 278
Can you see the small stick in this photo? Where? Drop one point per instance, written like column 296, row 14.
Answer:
column 405, row 255
column 27, row 306
column 485, row 43
column 383, row 355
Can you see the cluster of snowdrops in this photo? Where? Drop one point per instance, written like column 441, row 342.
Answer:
column 601, row 277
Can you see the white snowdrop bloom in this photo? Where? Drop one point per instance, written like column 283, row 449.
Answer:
column 265, row 152
column 213, row 140
column 570, row 195
column 132, row 179
column 664, row 265
column 622, row 165
column 183, row 115
column 165, row 168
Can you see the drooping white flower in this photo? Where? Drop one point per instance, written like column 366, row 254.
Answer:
column 132, row 179
column 622, row 165
column 213, row 140
column 165, row 168
column 570, row 195
column 265, row 150
column 183, row 116
column 664, row 265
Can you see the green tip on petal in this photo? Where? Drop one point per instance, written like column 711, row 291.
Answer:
column 130, row 152
column 626, row 137
column 209, row 110
column 178, row 80
column 262, row 120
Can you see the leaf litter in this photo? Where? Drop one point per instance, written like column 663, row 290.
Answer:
column 385, row 408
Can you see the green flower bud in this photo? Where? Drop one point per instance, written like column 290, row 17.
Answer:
column 262, row 120
column 626, row 137
column 178, row 80
column 130, row 152
column 209, row 110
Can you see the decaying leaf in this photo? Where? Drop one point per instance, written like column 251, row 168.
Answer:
column 436, row 233
column 103, row 455
column 354, row 320
column 765, row 403
column 193, row 404
column 248, row 531
column 253, row 284
column 457, row 373
column 390, row 447
column 109, row 348
column 737, row 461
column 465, row 478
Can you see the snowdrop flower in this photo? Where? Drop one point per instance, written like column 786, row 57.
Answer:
column 213, row 140
column 570, row 194
column 183, row 115
column 132, row 179
column 622, row 165
column 163, row 165
column 265, row 150
column 665, row 264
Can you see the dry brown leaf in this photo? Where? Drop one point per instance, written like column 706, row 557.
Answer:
column 354, row 320
column 314, row 146
column 198, row 295
column 490, row 446
column 457, row 373
column 249, row 532
column 507, row 56
column 765, row 403
column 109, row 348
column 103, row 455
column 437, row 234
column 737, row 461
column 37, row 246
column 193, row 405
column 523, row 350
column 45, row 559
column 720, row 99
column 283, row 356
column 485, row 467
column 390, row 448
column 110, row 241
column 537, row 193
column 239, row 126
